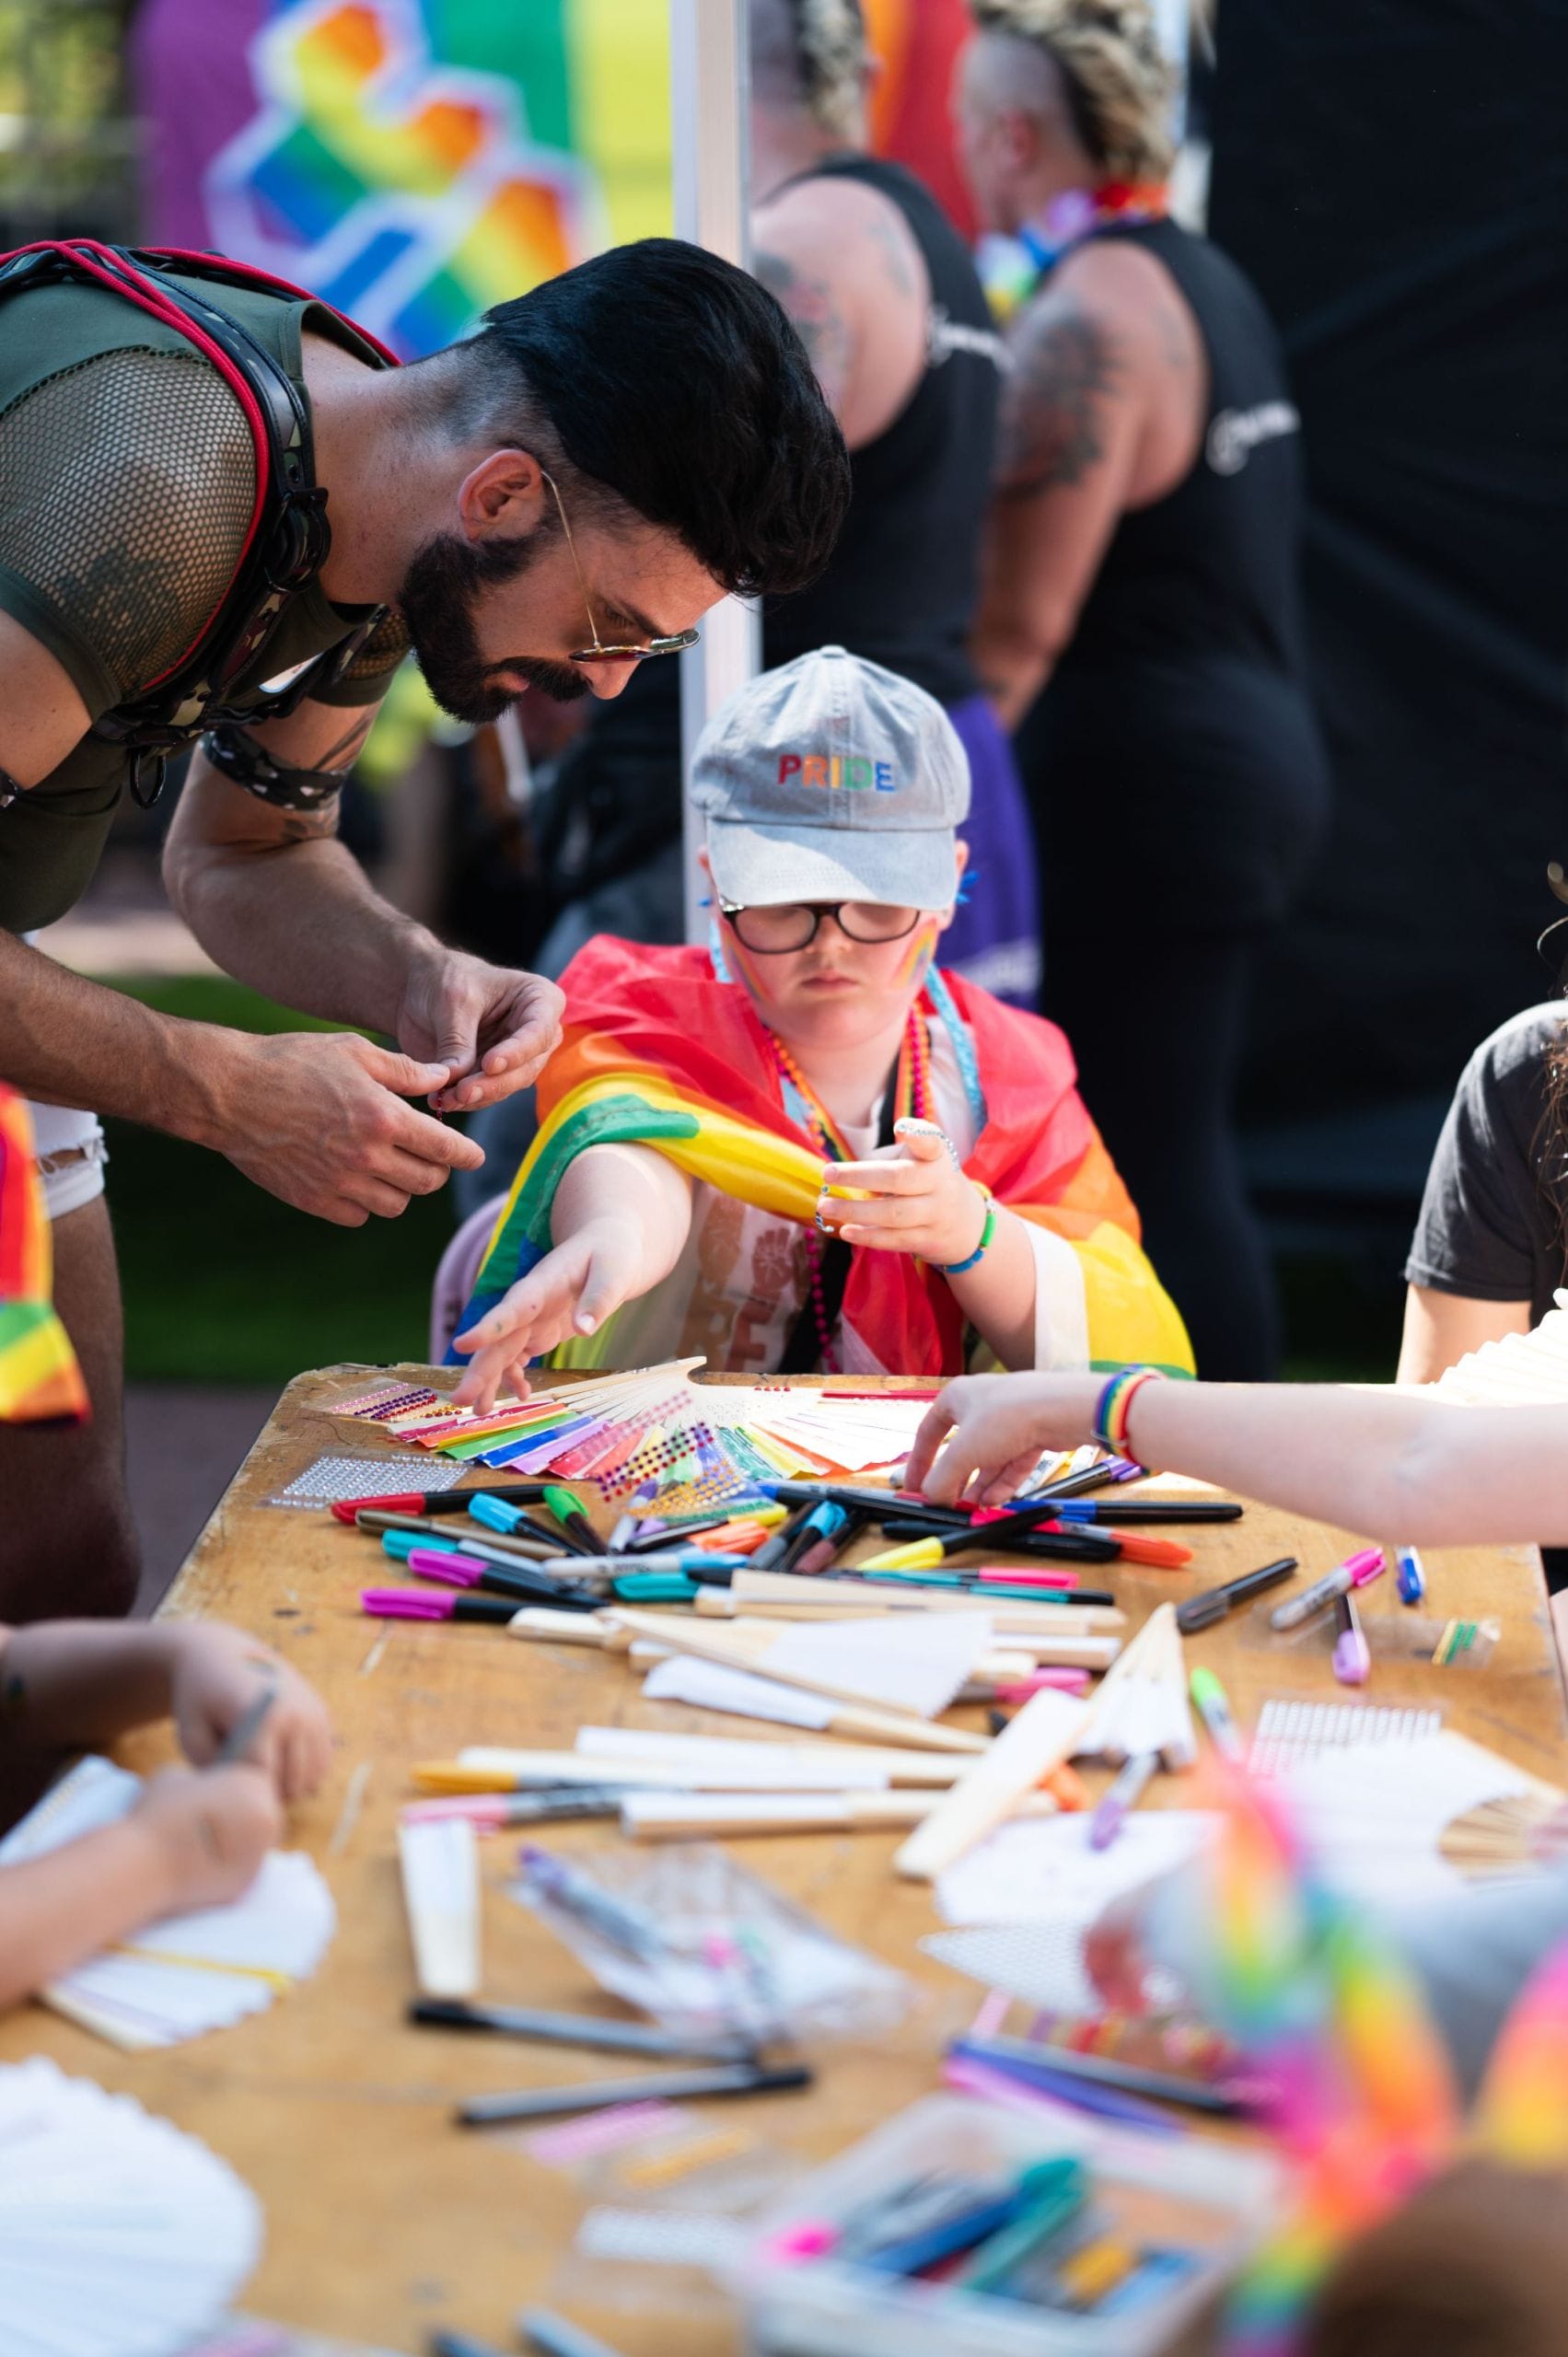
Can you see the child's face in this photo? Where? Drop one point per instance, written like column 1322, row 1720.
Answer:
column 837, row 992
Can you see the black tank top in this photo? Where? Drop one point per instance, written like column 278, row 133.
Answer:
column 1210, row 568
column 900, row 589
column 902, row 584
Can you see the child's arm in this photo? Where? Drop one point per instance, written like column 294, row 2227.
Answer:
column 67, row 1682
column 194, row 1840
column 920, row 1201
column 1394, row 1464
column 620, row 1220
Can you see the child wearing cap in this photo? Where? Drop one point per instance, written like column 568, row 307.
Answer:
column 805, row 1147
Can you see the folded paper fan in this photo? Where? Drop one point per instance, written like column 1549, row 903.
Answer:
column 189, row 1973
column 1500, row 1837
column 119, row 2236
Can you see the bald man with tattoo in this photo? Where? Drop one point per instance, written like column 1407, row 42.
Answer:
column 1139, row 627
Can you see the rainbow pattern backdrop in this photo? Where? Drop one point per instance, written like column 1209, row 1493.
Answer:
column 39, row 1380
column 415, row 161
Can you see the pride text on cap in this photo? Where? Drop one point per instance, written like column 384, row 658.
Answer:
column 851, row 770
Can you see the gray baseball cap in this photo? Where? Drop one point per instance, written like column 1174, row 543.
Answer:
column 832, row 779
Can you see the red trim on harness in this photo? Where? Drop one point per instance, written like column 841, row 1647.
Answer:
column 248, row 272
column 146, row 297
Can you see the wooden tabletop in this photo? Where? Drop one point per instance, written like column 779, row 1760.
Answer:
column 384, row 2219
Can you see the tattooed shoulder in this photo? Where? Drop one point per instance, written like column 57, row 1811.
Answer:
column 814, row 309
column 1068, row 367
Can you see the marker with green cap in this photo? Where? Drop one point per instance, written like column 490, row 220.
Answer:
column 568, row 1512
column 1214, row 1708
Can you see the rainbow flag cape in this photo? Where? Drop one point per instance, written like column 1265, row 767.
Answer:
column 660, row 1053
column 39, row 1380
column 1361, row 2098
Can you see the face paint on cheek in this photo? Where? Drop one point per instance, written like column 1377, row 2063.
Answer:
column 922, row 950
column 746, row 966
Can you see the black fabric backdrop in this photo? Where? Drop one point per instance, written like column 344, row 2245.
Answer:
column 1393, row 175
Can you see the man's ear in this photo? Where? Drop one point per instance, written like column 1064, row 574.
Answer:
column 503, row 497
column 960, row 861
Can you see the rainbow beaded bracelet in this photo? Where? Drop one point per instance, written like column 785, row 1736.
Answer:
column 956, row 1267
column 1109, row 1426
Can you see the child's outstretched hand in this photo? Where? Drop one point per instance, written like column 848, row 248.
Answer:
column 995, row 1427
column 214, row 1678
column 572, row 1290
column 919, row 1199
column 209, row 1830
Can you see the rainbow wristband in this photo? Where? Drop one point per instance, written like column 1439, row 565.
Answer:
column 958, row 1268
column 1109, row 1427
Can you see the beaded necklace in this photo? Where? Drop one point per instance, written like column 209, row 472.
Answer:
column 911, row 1095
column 1021, row 262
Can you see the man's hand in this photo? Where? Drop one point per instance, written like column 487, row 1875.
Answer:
column 919, row 1200
column 493, row 1031
column 215, row 1675
column 572, row 1290
column 995, row 1428
column 317, row 1118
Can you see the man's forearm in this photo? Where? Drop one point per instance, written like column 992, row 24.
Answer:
column 299, row 920
column 68, row 1042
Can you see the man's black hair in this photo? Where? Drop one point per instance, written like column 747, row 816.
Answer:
column 678, row 381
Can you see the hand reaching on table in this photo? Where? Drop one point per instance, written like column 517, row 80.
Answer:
column 208, row 1830
column 991, row 1429
column 572, row 1290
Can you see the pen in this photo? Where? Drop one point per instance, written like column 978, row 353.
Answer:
column 670, row 2086
column 454, row 1569
column 431, row 1501
column 247, row 1726
column 460, row 2344
column 772, row 1552
column 1354, row 1572
column 577, row 2029
column 499, row 1513
column 492, row 1812
column 1214, row 1709
column 554, row 2337
column 429, row 1604
column 1202, row 1611
column 823, row 1522
column 1410, row 1575
column 1111, row 1812
column 1132, row 1510
column 568, row 1512
column 1352, row 1660
column 1031, row 2055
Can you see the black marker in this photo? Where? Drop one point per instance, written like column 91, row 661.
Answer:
column 670, row 2086
column 1202, row 1611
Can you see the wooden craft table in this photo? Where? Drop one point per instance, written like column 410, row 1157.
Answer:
column 383, row 2218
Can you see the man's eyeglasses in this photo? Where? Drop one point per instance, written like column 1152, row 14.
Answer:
column 598, row 652
column 773, row 932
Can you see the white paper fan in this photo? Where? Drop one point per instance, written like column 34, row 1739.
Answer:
column 189, row 1973
column 119, row 2236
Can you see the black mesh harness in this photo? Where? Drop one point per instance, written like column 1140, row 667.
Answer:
column 286, row 541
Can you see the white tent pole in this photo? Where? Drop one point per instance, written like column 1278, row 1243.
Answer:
column 710, row 106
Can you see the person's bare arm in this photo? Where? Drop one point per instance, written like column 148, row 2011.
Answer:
column 619, row 1220
column 1071, row 422
column 1395, row 1464
column 841, row 259
column 278, row 901
column 1440, row 1327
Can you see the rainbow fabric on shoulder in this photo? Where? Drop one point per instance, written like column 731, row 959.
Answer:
column 39, row 1380
column 660, row 1053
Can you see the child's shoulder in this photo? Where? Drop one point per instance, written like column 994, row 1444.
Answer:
column 1000, row 1031
column 607, row 968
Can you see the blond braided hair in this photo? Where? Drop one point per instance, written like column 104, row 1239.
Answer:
column 814, row 52
column 1119, row 81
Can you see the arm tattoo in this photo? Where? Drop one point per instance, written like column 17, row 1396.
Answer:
column 818, row 321
column 894, row 240
column 1051, row 435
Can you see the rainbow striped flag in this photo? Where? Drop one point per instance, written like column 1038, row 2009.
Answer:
column 39, row 1380
column 660, row 1053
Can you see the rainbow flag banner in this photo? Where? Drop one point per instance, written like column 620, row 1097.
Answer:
column 39, row 1380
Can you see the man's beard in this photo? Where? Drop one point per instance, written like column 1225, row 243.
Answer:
column 441, row 589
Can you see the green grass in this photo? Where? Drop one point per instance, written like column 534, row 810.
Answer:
column 224, row 1283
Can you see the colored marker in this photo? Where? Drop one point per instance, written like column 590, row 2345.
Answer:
column 1410, row 1575
column 247, row 1726
column 1354, row 1572
column 1202, row 1611
column 1113, row 1811
column 772, row 1552
column 425, row 1603
column 595, row 2030
column 554, row 2337
column 1062, row 1681
column 1352, row 1659
column 495, row 1514
column 1061, row 2187
column 1214, row 1708
column 460, row 2344
column 660, row 2086
column 568, row 1512
column 823, row 1522
column 430, row 1501
column 494, row 1812
column 1132, row 1510
column 453, row 1569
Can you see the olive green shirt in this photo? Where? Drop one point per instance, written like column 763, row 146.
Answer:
column 127, row 480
